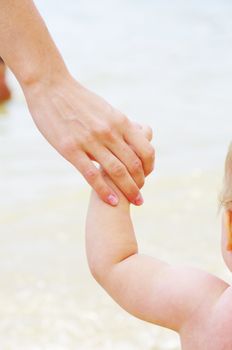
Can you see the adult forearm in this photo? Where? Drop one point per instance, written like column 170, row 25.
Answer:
column 80, row 125
column 26, row 45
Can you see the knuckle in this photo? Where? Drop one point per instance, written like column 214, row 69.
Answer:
column 107, row 132
column 121, row 119
column 150, row 160
column 124, row 119
column 88, row 137
column 150, row 133
column 91, row 174
column 103, row 131
column 136, row 166
column 102, row 190
column 68, row 145
column 150, row 154
column 141, row 183
column 150, row 130
column 103, row 174
column 117, row 170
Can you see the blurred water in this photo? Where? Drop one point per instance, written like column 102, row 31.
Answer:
column 165, row 63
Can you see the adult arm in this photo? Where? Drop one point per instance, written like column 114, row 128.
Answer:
column 78, row 123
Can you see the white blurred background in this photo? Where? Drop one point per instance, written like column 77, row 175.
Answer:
column 164, row 63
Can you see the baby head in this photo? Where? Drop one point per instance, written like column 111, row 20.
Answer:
column 226, row 202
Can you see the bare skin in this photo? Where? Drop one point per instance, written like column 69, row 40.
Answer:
column 79, row 124
column 228, row 225
column 226, row 245
column 195, row 304
column 5, row 94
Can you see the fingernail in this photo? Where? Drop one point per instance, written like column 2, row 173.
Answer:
column 139, row 200
column 112, row 199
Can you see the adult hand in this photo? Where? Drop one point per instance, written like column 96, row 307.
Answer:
column 79, row 124
column 83, row 127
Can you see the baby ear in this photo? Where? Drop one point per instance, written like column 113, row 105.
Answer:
column 228, row 223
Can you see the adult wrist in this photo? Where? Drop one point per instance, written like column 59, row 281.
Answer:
column 44, row 74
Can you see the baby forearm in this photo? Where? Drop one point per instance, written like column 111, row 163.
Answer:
column 109, row 235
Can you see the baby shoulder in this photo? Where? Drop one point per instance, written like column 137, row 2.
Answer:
column 218, row 327
column 211, row 329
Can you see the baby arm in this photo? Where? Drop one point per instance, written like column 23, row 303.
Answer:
column 152, row 290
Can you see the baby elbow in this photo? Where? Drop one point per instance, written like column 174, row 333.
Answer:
column 97, row 271
column 102, row 273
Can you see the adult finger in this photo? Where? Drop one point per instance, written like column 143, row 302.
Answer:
column 130, row 159
column 145, row 129
column 140, row 144
column 147, row 132
column 119, row 174
column 95, row 178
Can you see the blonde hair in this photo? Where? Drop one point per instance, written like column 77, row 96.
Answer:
column 226, row 194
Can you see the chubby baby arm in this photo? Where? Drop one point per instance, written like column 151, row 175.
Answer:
column 152, row 290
